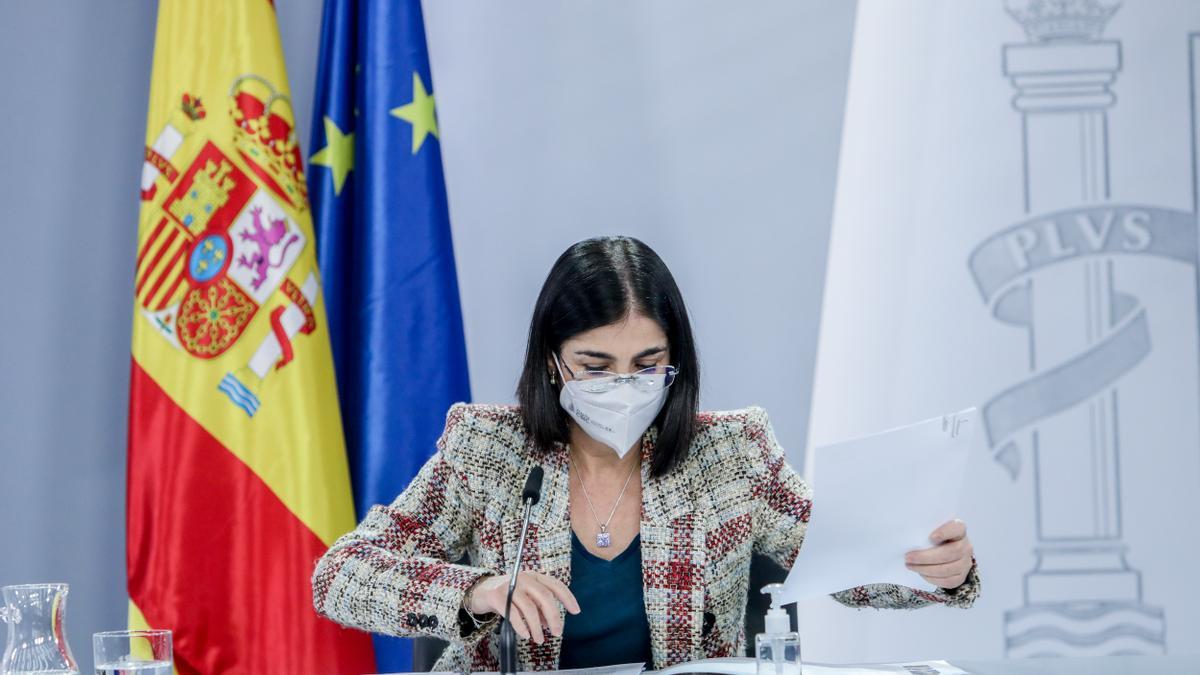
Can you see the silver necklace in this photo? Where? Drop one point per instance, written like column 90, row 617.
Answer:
column 603, row 537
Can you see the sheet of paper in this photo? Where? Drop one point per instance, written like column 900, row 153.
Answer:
column 877, row 497
column 618, row 669
column 915, row 668
column 747, row 666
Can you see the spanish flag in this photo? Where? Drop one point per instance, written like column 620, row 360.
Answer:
column 237, row 475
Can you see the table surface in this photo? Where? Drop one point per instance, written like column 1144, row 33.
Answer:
column 1106, row 665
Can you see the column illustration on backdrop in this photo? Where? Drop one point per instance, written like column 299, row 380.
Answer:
column 1057, row 275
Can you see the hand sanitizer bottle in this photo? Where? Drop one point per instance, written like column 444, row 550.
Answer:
column 777, row 649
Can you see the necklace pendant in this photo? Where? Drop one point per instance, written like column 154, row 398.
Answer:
column 603, row 539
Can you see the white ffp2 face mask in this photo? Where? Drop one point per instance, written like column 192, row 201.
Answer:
column 617, row 417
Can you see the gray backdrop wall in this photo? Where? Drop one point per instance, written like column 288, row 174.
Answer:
column 708, row 131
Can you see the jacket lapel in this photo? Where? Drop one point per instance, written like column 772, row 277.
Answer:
column 672, row 563
column 673, row 553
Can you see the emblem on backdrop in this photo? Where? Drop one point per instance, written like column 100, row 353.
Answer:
column 1057, row 275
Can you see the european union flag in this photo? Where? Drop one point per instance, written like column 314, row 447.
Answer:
column 384, row 249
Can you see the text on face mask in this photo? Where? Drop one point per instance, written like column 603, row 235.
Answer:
column 584, row 417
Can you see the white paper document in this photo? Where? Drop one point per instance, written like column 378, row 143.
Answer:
column 877, row 497
column 747, row 666
column 616, row 669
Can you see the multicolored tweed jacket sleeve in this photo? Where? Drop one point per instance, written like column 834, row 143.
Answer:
column 733, row 495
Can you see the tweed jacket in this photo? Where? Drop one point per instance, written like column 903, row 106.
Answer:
column 733, row 494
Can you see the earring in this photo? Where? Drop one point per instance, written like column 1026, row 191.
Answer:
column 552, row 380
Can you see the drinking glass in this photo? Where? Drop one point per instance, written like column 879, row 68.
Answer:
column 133, row 652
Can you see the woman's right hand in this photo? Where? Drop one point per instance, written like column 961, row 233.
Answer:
column 534, row 604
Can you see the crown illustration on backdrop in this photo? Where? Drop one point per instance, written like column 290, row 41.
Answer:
column 1054, row 20
column 264, row 133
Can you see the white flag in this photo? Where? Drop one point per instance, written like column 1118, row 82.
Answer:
column 1015, row 228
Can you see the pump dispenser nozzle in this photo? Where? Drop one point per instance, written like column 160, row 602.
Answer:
column 777, row 620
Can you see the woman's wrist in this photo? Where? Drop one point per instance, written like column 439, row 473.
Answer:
column 469, row 598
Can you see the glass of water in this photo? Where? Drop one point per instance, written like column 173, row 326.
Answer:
column 133, row 652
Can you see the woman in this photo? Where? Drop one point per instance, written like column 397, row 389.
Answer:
column 616, row 569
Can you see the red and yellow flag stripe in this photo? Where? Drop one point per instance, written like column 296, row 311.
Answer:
column 237, row 476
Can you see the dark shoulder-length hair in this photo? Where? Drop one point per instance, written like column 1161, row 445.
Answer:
column 598, row 282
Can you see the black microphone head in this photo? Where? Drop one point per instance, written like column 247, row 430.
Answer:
column 533, row 486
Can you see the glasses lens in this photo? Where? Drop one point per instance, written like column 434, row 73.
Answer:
column 656, row 377
column 596, row 381
column 669, row 378
column 648, row 379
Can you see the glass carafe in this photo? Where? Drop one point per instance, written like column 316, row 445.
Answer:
column 37, row 639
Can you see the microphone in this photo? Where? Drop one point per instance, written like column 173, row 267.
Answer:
column 533, row 486
column 508, row 636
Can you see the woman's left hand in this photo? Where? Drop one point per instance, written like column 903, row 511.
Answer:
column 948, row 561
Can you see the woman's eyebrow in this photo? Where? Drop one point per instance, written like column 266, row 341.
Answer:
column 604, row 355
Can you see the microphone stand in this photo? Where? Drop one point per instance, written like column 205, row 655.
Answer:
column 508, row 636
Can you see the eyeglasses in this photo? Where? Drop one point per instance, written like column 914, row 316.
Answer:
column 646, row 379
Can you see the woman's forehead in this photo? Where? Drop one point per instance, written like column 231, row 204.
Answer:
column 633, row 335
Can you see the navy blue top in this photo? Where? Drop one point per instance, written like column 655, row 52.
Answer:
column 611, row 626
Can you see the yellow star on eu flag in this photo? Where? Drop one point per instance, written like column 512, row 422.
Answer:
column 420, row 113
column 337, row 155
